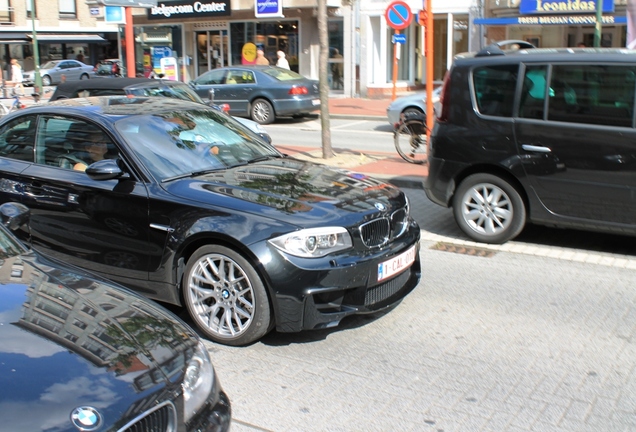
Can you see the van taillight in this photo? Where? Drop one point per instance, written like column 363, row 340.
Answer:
column 300, row 90
column 445, row 97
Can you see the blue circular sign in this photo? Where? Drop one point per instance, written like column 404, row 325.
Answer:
column 398, row 15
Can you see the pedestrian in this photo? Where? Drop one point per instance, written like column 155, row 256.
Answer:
column 260, row 58
column 581, row 45
column 80, row 57
column 282, row 61
column 16, row 76
column 337, row 69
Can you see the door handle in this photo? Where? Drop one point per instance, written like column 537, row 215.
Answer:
column 534, row 148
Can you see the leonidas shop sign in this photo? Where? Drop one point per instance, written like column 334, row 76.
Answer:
column 563, row 6
column 190, row 9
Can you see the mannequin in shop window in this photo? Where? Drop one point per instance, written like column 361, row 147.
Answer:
column 282, row 61
column 260, row 58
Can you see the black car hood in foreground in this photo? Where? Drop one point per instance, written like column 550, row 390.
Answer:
column 68, row 341
column 302, row 193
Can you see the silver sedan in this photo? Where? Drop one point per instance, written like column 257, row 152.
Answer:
column 415, row 103
column 57, row 71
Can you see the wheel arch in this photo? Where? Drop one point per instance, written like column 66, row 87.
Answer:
column 264, row 97
column 493, row 170
column 195, row 242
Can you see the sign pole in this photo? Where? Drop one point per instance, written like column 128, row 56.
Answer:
column 129, row 32
column 429, row 68
column 398, row 15
column 396, row 46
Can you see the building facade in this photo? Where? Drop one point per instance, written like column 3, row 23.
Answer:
column 63, row 29
column 555, row 23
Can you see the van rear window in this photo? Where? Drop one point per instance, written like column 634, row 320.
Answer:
column 495, row 89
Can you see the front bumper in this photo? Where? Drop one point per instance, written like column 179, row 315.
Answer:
column 214, row 418
column 321, row 296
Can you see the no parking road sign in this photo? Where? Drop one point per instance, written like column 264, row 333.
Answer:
column 398, row 15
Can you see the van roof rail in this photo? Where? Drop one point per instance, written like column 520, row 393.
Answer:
column 495, row 48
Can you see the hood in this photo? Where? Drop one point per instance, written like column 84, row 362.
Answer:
column 68, row 340
column 294, row 191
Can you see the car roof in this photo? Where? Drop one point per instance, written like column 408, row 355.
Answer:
column 492, row 54
column 118, row 105
column 70, row 88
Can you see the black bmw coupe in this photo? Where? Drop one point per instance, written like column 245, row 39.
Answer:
column 184, row 205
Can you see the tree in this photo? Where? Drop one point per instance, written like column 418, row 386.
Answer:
column 323, row 77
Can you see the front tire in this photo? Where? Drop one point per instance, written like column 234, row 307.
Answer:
column 262, row 112
column 225, row 296
column 488, row 209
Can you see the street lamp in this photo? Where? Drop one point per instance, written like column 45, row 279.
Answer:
column 36, row 51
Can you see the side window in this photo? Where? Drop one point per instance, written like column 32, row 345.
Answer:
column 532, row 100
column 212, row 77
column 72, row 144
column 17, row 139
column 495, row 89
column 593, row 94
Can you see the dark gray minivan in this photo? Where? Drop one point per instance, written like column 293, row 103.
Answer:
column 537, row 135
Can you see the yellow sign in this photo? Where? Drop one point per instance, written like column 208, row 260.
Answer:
column 249, row 53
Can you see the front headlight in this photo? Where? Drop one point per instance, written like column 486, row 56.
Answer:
column 314, row 242
column 198, row 381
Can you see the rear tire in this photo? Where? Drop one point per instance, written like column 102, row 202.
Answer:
column 488, row 209
column 46, row 80
column 262, row 112
column 411, row 141
column 225, row 296
column 84, row 76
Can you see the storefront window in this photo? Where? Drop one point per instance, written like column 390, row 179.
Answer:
column 336, row 60
column 158, row 50
column 270, row 37
column 440, row 47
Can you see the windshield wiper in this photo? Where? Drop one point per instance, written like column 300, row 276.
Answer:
column 191, row 174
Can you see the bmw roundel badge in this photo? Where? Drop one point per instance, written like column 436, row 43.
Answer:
column 86, row 418
column 380, row 206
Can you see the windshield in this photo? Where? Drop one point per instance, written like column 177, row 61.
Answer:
column 183, row 92
column 48, row 65
column 187, row 142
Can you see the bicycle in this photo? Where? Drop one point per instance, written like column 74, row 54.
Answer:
column 410, row 138
column 16, row 105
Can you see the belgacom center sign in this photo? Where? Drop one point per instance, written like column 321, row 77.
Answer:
column 190, row 9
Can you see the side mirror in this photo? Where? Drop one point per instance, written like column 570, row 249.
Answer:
column 106, row 169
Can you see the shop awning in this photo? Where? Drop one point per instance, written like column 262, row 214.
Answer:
column 552, row 20
column 13, row 37
column 69, row 38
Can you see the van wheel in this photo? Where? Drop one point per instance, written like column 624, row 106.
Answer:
column 225, row 296
column 488, row 209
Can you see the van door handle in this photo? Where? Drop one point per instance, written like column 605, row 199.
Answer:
column 534, row 148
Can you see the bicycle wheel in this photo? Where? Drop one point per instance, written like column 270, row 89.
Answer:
column 410, row 141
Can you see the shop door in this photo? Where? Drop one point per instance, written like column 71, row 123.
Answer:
column 212, row 50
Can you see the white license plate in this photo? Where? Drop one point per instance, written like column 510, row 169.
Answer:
column 316, row 102
column 396, row 265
